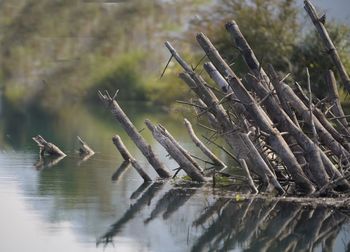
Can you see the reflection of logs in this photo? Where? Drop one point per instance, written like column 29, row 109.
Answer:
column 264, row 226
column 280, row 218
column 145, row 199
column 120, row 171
column 171, row 202
column 47, row 162
column 215, row 208
column 139, row 190
column 225, row 225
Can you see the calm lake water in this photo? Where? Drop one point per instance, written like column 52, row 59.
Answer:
column 77, row 205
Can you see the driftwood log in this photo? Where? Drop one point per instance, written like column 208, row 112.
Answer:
column 175, row 152
column 84, row 149
column 47, row 148
column 216, row 161
column 129, row 158
column 328, row 43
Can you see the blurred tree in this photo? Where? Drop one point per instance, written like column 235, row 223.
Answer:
column 273, row 29
column 54, row 52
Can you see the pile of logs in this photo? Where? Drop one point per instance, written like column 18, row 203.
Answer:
column 286, row 138
column 283, row 137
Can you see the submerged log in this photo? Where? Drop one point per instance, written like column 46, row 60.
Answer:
column 128, row 157
column 161, row 136
column 328, row 43
column 133, row 133
column 84, row 148
column 47, row 147
column 216, row 161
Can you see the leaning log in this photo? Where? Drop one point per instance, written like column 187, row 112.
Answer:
column 173, row 150
column 128, row 157
column 133, row 133
column 84, row 149
column 216, row 161
column 47, row 147
column 336, row 108
column 328, row 43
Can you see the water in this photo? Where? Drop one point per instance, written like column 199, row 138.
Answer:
column 75, row 205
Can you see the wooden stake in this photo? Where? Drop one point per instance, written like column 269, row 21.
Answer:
column 327, row 42
column 201, row 145
column 127, row 157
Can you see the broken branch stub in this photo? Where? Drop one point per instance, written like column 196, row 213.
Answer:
column 133, row 133
column 84, row 148
column 47, row 147
column 201, row 145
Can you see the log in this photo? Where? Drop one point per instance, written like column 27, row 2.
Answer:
column 238, row 141
column 47, row 147
column 133, row 133
column 174, row 151
column 84, row 148
column 184, row 152
column 216, row 161
column 247, row 173
column 328, row 43
column 333, row 97
column 128, row 157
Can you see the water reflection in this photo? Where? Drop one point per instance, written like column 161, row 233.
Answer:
column 100, row 201
column 47, row 161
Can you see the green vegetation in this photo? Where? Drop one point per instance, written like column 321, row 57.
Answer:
column 277, row 34
column 58, row 52
column 55, row 53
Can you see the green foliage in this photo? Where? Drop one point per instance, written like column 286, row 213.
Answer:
column 274, row 31
column 59, row 52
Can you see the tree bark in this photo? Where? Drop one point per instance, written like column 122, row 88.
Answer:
column 127, row 157
column 327, row 42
